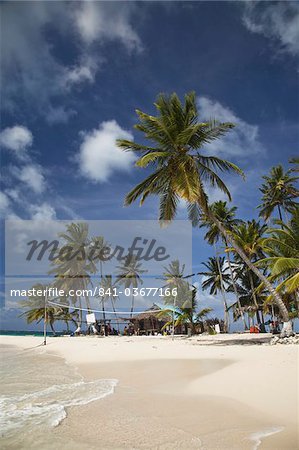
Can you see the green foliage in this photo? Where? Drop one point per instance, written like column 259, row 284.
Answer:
column 179, row 170
column 278, row 191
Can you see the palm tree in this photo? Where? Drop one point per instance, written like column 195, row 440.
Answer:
column 250, row 293
column 98, row 244
column 185, row 314
column 250, row 237
column 174, row 278
column 108, row 294
column 217, row 280
column 227, row 216
column 180, row 171
column 73, row 266
column 35, row 308
column 278, row 192
column 282, row 248
column 129, row 276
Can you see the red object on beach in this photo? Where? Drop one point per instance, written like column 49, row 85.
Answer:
column 254, row 330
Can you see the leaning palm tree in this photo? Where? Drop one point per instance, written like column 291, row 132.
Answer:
column 180, row 171
column 129, row 276
column 227, row 216
column 278, row 192
column 217, row 280
column 250, row 237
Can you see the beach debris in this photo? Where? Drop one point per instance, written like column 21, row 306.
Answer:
column 285, row 340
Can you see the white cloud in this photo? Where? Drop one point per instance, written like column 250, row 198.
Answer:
column 242, row 141
column 31, row 73
column 14, row 194
column 99, row 156
column 42, row 212
column 17, row 138
column 275, row 20
column 104, row 20
column 32, row 176
column 4, row 203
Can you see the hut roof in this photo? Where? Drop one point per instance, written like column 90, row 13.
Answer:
column 153, row 311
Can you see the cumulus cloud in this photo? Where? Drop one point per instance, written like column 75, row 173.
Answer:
column 17, row 138
column 43, row 212
column 99, row 156
column 276, row 20
column 104, row 20
column 32, row 176
column 4, row 203
column 242, row 141
column 31, row 73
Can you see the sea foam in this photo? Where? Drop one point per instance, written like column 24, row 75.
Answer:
column 48, row 406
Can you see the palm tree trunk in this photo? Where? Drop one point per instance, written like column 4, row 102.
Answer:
column 226, row 314
column 279, row 212
column 288, row 326
column 88, row 304
column 254, row 297
column 103, row 306
column 132, row 306
column 235, row 289
column 113, row 307
column 52, row 327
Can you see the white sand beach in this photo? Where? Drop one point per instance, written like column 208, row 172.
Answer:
column 203, row 392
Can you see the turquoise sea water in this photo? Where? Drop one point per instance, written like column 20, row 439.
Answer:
column 26, row 333
column 36, row 391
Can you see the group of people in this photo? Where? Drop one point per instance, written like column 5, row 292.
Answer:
column 103, row 329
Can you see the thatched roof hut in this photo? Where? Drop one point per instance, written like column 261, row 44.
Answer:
column 149, row 321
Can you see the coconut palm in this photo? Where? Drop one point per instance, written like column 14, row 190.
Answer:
column 174, row 278
column 248, row 284
column 185, row 314
column 108, row 294
column 227, row 216
column 217, row 280
column 180, row 171
column 36, row 311
column 129, row 275
column 282, row 248
column 97, row 245
column 73, row 266
column 278, row 192
column 250, row 237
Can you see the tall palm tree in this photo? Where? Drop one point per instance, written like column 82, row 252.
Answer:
column 108, row 287
column 180, row 171
column 250, row 237
column 129, row 276
column 97, row 245
column 282, row 249
column 217, row 280
column 73, row 266
column 250, row 293
column 227, row 216
column 278, row 192
column 174, row 278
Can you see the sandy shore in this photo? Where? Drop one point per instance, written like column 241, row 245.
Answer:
column 186, row 393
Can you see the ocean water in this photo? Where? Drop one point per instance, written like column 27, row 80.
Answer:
column 36, row 391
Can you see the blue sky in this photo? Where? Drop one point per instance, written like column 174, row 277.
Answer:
column 73, row 74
